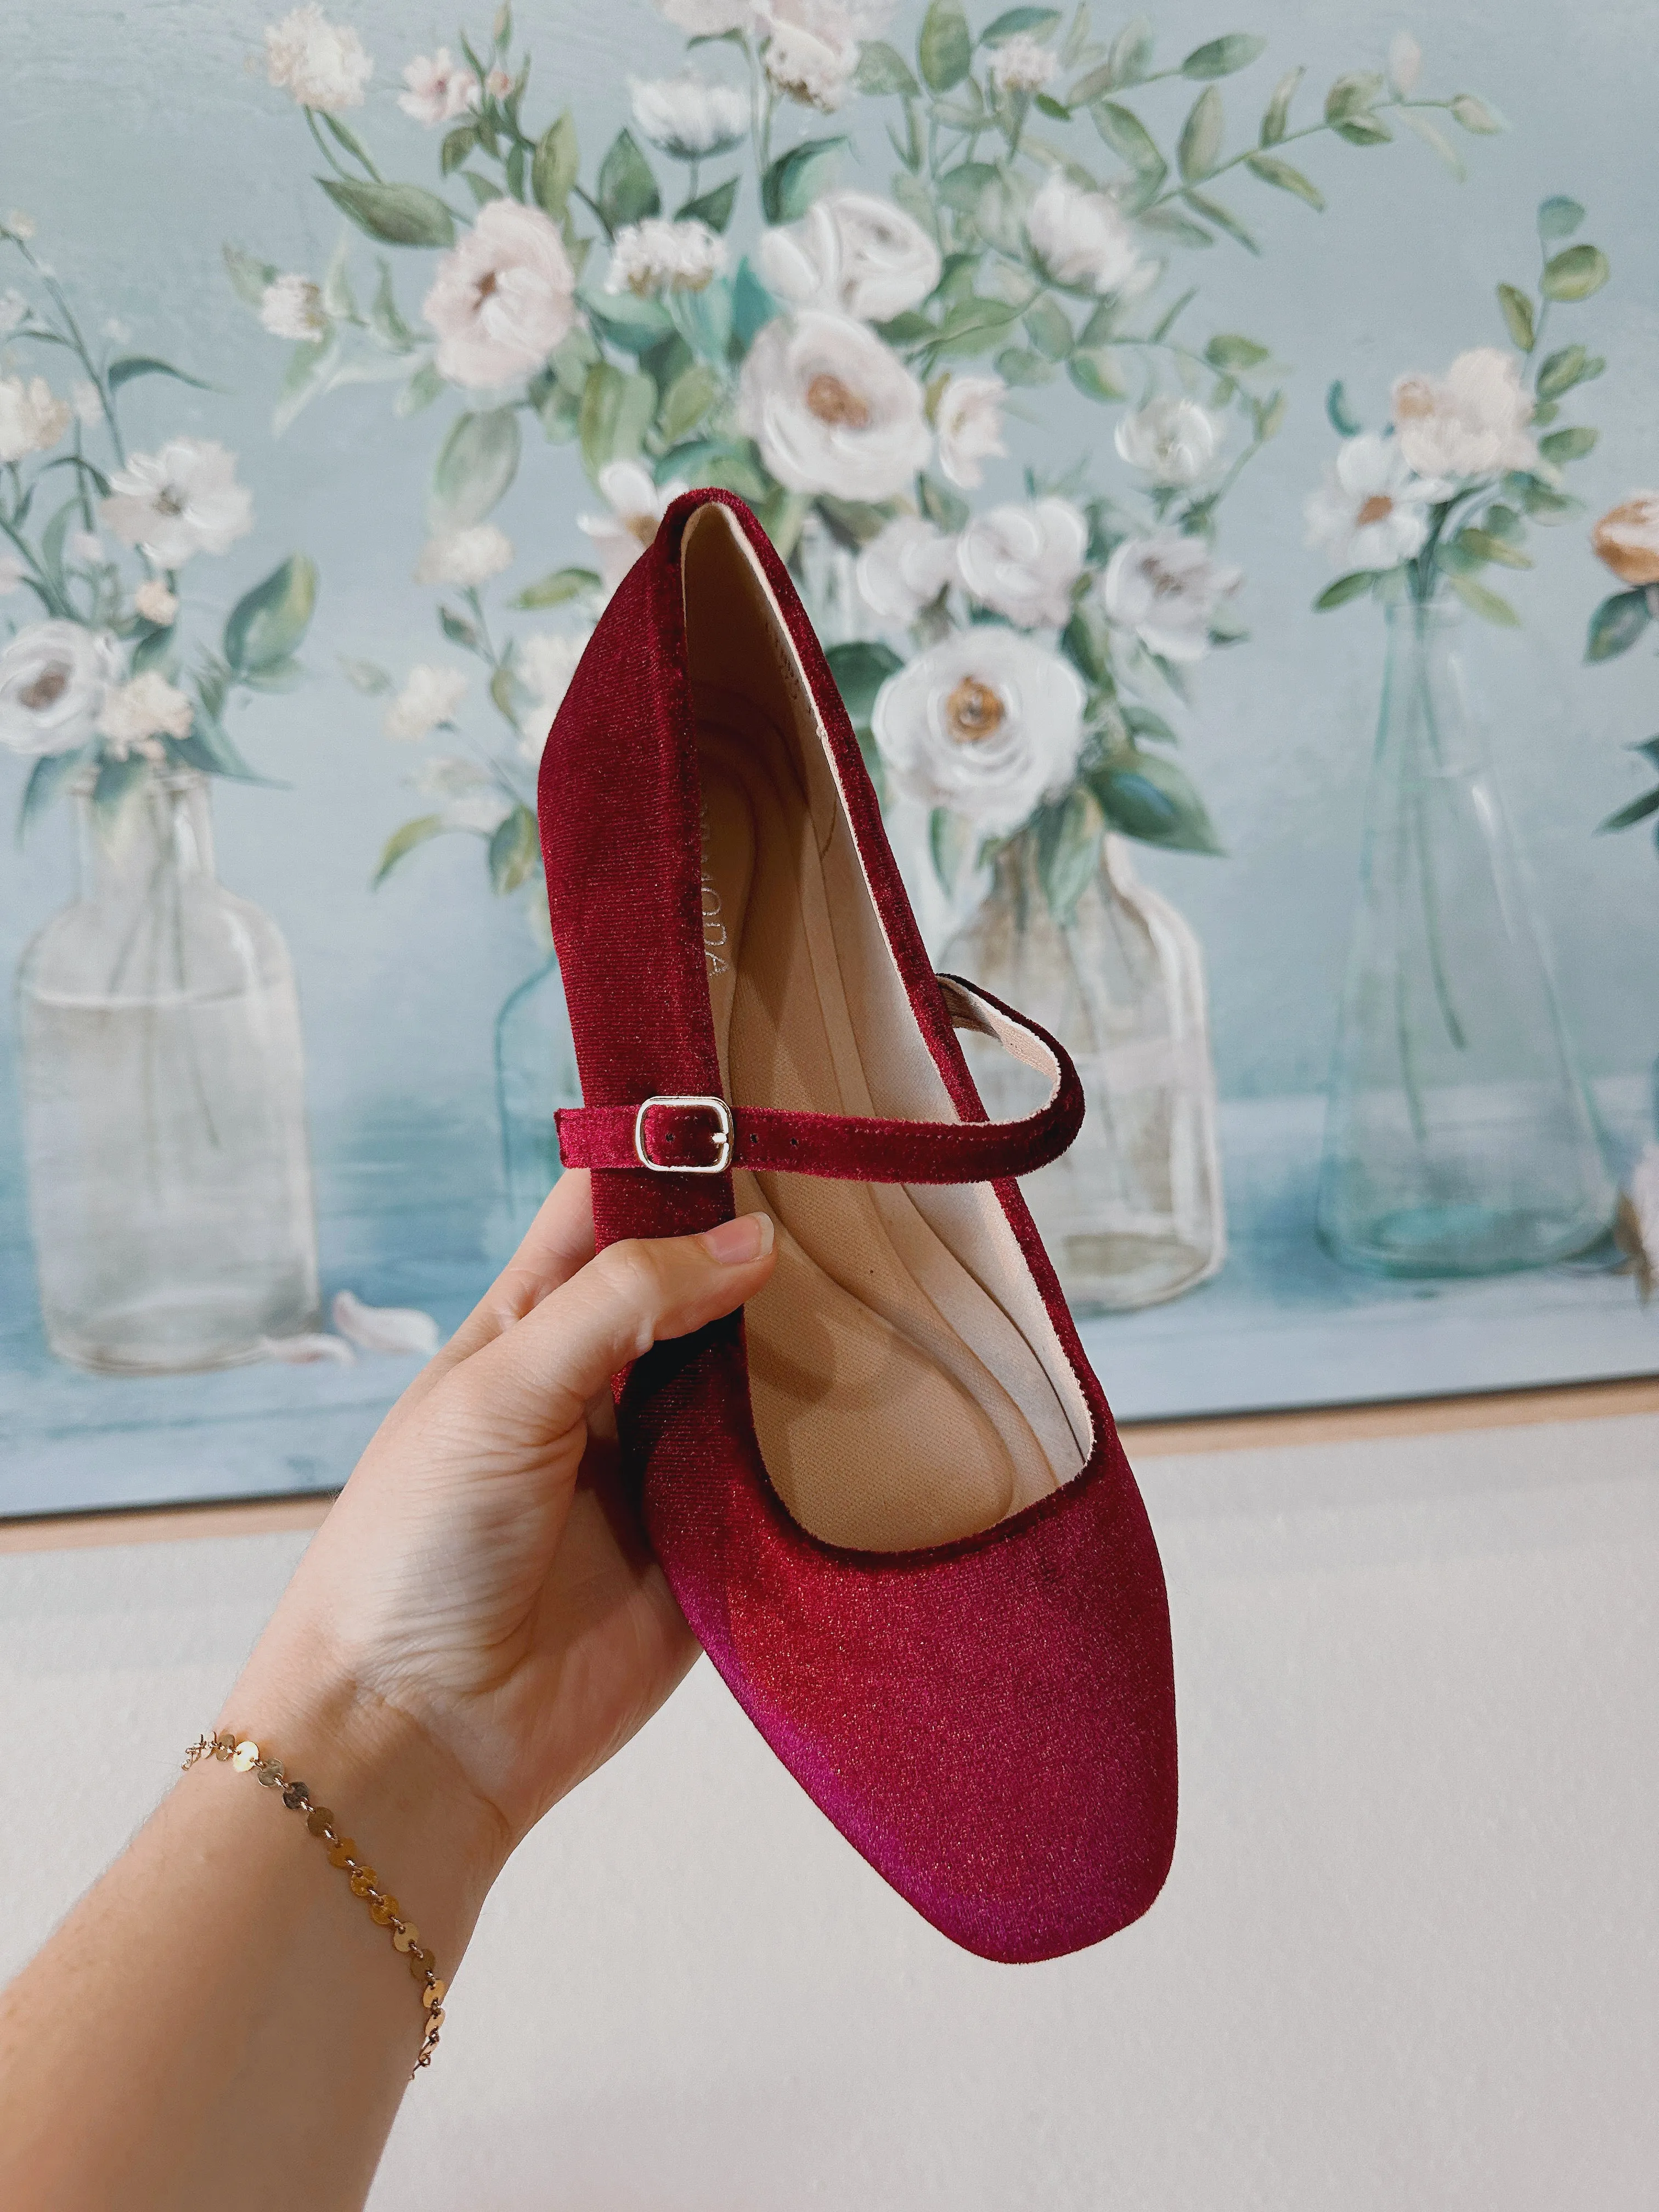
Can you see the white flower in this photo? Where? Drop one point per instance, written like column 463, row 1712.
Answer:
column 656, row 255
column 1370, row 511
column 292, row 307
column 986, row 723
column 811, row 50
column 1470, row 423
column 831, row 408
column 1173, row 441
column 54, row 678
column 147, row 707
column 384, row 1328
column 465, row 558
column 1023, row 561
column 1023, row 64
column 20, row 225
column 155, row 602
column 322, row 63
column 1168, row 590
column 503, row 299
column 637, row 506
column 429, row 695
column 85, row 546
column 14, row 309
column 87, row 403
column 708, row 19
column 32, row 418
column 480, row 812
column 853, row 252
column 546, row 663
column 1080, row 236
column 687, row 116
column 180, row 500
column 904, row 569
column 471, row 798
column 11, row 574
column 439, row 88
column 969, row 420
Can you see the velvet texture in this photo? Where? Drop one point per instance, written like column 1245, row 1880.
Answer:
column 862, row 1148
column 992, row 1722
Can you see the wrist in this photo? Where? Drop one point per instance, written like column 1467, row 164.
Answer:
column 389, row 1785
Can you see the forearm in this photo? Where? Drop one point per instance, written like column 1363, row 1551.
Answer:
column 220, row 2021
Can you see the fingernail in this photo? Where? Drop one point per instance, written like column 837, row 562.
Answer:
column 748, row 1237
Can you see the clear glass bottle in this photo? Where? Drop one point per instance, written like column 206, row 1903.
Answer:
column 1460, row 1138
column 1133, row 1212
column 163, row 1089
column 535, row 1075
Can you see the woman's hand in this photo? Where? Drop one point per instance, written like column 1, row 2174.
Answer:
column 481, row 1597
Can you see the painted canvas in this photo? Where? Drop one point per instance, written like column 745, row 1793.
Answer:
column 1214, row 460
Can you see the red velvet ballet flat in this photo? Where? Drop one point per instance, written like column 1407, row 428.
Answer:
column 889, row 1497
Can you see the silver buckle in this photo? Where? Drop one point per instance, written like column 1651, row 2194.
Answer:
column 724, row 1135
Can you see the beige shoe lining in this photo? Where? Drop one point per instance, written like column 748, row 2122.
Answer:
column 907, row 1385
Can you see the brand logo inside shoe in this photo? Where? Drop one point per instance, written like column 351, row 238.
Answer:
column 714, row 928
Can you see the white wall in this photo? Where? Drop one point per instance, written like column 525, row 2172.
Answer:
column 1407, row 1955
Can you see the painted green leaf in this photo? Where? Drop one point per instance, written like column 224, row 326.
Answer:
column 1129, row 138
column 687, row 400
column 1569, row 445
column 46, row 779
column 974, row 326
column 366, row 677
column 945, row 508
column 1270, row 416
column 948, row 841
column 250, row 277
column 384, row 317
column 1038, row 22
column 714, row 208
column 1149, row 797
column 961, row 187
column 1276, row 117
column 1068, row 849
column 267, row 623
column 458, row 145
column 1488, row 604
column 1354, row 94
column 1098, row 373
column 1341, row 416
column 1049, row 328
column 421, row 389
column 627, row 191
column 481, row 189
column 1020, row 364
column 1616, row 625
column 553, row 170
column 143, row 364
column 1354, row 586
column 157, row 648
column 1198, row 148
column 883, row 69
column 1559, row 217
column 1181, row 230
column 457, row 629
column 860, row 666
column 1517, row 316
column 1229, row 351
column 1638, row 810
column 403, row 842
column 945, row 48
column 1000, row 213
column 632, row 323
column 1212, row 210
column 1274, row 170
column 1477, row 115
column 850, row 522
column 398, row 215
column 1434, row 137
column 1561, row 371
column 1223, row 57
column 1131, row 55
column 553, row 591
column 795, row 178
column 615, row 414
column 1488, row 545
column 1364, row 130
column 475, row 462
column 1575, row 273
column 513, row 851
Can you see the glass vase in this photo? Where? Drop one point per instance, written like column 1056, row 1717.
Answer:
column 1459, row 1136
column 535, row 1075
column 164, row 1090
column 1133, row 1213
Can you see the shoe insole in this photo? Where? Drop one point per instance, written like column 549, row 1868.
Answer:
column 881, row 1427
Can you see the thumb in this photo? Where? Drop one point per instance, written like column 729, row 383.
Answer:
column 542, row 1373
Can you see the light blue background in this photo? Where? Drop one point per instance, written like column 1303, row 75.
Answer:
column 141, row 139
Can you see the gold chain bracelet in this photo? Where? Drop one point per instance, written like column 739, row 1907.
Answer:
column 241, row 1753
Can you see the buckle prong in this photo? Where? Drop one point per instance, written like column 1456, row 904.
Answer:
column 725, row 1133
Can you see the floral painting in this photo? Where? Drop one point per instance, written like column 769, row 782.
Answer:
column 1185, row 438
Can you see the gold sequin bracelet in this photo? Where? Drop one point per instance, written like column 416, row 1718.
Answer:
column 246, row 1756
